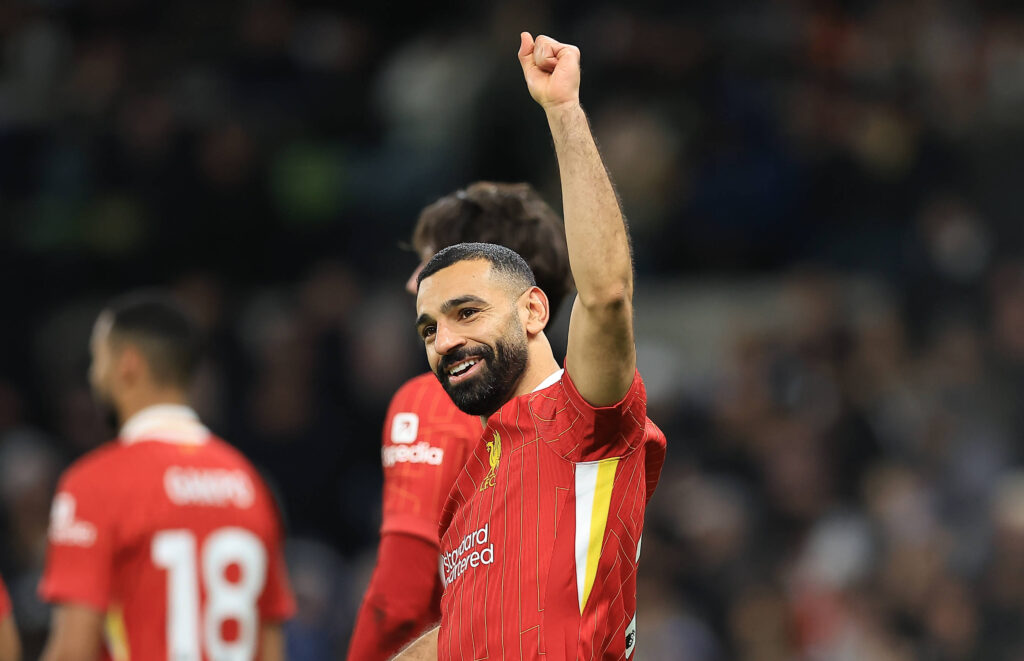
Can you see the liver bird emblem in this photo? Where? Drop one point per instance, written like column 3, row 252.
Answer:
column 494, row 456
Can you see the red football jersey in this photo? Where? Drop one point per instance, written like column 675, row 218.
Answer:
column 426, row 440
column 5, row 601
column 541, row 533
column 425, row 446
column 173, row 534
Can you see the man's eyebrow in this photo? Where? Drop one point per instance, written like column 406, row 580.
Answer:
column 448, row 306
column 452, row 303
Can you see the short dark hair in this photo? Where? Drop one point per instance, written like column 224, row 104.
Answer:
column 503, row 260
column 510, row 215
column 162, row 331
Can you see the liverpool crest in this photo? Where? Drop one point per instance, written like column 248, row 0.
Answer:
column 494, row 456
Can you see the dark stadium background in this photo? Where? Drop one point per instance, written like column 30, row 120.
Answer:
column 827, row 206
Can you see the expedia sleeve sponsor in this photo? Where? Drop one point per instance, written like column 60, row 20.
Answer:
column 421, row 453
column 473, row 551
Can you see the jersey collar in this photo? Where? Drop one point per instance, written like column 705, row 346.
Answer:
column 550, row 381
column 170, row 423
column 546, row 383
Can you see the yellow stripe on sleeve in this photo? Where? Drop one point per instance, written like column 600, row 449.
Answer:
column 116, row 634
column 598, row 522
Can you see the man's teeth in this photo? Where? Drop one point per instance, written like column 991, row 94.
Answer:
column 461, row 367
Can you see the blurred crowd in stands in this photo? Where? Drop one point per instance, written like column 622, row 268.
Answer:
column 826, row 206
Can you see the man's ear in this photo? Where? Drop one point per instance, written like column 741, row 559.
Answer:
column 535, row 310
column 129, row 364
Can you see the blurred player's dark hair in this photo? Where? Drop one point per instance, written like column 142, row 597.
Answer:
column 162, row 331
column 503, row 260
column 511, row 215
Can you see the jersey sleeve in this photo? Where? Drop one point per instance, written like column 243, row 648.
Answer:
column 5, row 601
column 80, row 545
column 580, row 432
column 425, row 441
column 402, row 600
column 277, row 603
column 656, row 446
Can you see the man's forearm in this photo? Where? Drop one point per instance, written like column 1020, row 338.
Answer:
column 600, row 356
column 424, row 649
column 10, row 648
column 272, row 645
column 595, row 232
column 76, row 634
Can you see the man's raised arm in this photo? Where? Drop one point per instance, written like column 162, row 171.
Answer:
column 601, row 356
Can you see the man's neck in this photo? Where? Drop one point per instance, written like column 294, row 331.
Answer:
column 540, row 365
column 132, row 404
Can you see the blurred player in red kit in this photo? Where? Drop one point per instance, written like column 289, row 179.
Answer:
column 426, row 439
column 164, row 543
column 541, row 534
column 10, row 645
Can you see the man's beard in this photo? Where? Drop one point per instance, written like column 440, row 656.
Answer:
column 486, row 392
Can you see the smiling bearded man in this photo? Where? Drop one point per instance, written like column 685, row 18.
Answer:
column 481, row 378
column 540, row 536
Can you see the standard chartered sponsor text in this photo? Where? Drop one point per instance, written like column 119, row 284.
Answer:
column 473, row 551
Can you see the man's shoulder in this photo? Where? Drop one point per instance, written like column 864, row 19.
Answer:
column 424, row 397
column 548, row 398
column 563, row 388
column 580, row 431
column 98, row 465
column 653, row 435
column 420, row 390
column 421, row 410
column 215, row 454
column 114, row 461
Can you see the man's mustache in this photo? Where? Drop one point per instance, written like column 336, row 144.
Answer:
column 460, row 355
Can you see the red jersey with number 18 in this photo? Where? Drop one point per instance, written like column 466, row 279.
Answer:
column 540, row 537
column 171, row 533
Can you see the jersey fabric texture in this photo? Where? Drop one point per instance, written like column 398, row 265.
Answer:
column 540, row 537
column 402, row 600
column 425, row 443
column 172, row 533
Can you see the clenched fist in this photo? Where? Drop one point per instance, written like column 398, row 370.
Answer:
column 551, row 69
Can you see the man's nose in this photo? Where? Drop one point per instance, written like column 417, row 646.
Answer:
column 445, row 340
